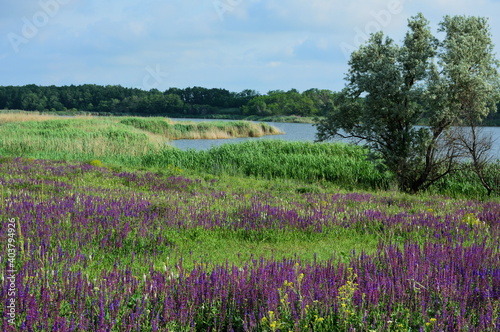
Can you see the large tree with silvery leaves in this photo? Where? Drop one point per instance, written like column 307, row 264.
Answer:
column 391, row 88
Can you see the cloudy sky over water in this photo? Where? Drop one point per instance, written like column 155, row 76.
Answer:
column 233, row 44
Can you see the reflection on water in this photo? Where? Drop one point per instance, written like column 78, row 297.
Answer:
column 293, row 132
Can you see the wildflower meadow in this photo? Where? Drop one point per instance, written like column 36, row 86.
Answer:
column 86, row 247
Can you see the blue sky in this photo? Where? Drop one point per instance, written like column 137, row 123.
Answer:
column 233, row 44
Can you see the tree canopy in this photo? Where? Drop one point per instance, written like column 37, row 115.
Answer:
column 193, row 101
column 391, row 88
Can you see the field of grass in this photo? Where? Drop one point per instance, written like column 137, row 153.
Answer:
column 121, row 139
column 140, row 143
column 100, row 249
column 133, row 235
column 338, row 164
column 197, row 130
column 165, row 127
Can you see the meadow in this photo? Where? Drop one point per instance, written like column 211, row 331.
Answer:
column 84, row 137
column 314, row 239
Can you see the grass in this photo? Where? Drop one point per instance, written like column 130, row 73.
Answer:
column 200, row 130
column 224, row 197
column 20, row 116
column 140, row 142
column 79, row 138
column 200, row 246
column 41, row 181
column 340, row 164
column 466, row 184
column 150, row 126
column 139, row 244
column 134, row 235
column 121, row 140
column 204, row 201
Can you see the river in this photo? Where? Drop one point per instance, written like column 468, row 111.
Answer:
column 293, row 132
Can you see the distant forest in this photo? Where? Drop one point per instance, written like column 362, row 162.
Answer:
column 191, row 101
column 195, row 101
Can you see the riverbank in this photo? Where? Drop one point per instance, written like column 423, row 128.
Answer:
column 164, row 127
column 112, row 138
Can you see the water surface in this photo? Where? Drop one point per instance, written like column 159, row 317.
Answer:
column 293, row 132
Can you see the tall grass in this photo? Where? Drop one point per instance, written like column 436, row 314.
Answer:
column 115, row 139
column 20, row 116
column 341, row 164
column 200, row 130
column 141, row 142
column 75, row 139
column 466, row 184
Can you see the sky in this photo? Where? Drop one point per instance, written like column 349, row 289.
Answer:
column 261, row 45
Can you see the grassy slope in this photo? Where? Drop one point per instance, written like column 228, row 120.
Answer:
column 273, row 184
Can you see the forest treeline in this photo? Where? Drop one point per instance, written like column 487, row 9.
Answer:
column 194, row 101
column 191, row 101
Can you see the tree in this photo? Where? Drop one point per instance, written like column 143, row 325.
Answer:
column 392, row 88
column 478, row 145
column 257, row 106
column 469, row 85
column 278, row 102
column 31, row 101
column 323, row 100
column 245, row 96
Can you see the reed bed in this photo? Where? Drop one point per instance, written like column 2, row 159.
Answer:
column 98, row 249
column 201, row 130
column 19, row 116
column 141, row 142
column 338, row 163
column 75, row 139
column 120, row 140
